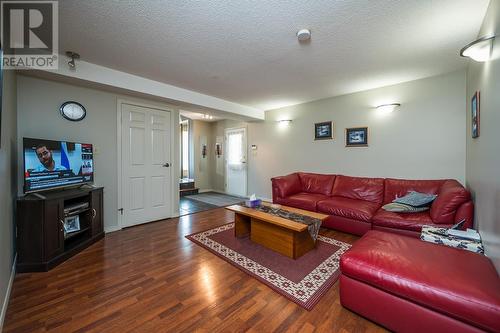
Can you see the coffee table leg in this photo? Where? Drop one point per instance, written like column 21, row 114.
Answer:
column 241, row 225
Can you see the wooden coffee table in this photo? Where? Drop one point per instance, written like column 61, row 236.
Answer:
column 284, row 236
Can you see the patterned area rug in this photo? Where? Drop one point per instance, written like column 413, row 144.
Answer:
column 303, row 281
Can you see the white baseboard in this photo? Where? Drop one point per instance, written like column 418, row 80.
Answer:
column 114, row 228
column 206, row 190
column 7, row 293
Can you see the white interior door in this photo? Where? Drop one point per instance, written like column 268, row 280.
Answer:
column 146, row 171
column 236, row 161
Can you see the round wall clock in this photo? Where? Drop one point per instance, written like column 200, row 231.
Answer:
column 73, row 111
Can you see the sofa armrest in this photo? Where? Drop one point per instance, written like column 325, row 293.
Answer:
column 451, row 196
column 466, row 211
column 285, row 186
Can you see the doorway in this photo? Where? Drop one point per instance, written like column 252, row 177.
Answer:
column 236, row 159
column 145, row 147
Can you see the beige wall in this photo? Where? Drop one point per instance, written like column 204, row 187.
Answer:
column 8, row 184
column 424, row 139
column 209, row 172
column 38, row 117
column 483, row 153
column 203, row 167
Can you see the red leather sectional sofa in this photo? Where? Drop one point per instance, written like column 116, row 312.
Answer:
column 355, row 203
column 402, row 283
column 408, row 285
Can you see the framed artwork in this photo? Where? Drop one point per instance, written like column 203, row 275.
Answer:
column 72, row 224
column 356, row 137
column 323, row 131
column 475, row 115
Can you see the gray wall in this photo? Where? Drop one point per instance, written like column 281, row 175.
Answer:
column 483, row 153
column 424, row 139
column 38, row 105
column 8, row 184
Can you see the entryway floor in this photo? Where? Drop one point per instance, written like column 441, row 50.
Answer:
column 189, row 206
column 205, row 201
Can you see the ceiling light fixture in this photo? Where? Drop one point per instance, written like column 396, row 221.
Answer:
column 304, row 35
column 207, row 116
column 388, row 108
column 479, row 50
column 73, row 56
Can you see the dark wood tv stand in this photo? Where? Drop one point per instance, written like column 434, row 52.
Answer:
column 42, row 242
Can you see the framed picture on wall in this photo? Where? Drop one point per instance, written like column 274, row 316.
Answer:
column 356, row 137
column 475, row 114
column 323, row 131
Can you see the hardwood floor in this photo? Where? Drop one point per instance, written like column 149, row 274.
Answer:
column 150, row 278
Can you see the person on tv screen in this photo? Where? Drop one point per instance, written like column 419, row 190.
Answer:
column 47, row 161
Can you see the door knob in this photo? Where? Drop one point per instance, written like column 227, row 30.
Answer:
column 166, row 165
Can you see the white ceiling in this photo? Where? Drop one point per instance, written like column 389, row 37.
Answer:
column 247, row 51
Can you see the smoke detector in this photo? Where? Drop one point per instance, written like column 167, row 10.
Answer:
column 303, row 35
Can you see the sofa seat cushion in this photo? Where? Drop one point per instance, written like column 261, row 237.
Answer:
column 302, row 200
column 350, row 208
column 407, row 221
column 461, row 284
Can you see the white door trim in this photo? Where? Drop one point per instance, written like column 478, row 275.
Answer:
column 173, row 179
column 225, row 156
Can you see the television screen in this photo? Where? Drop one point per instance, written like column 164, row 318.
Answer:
column 49, row 164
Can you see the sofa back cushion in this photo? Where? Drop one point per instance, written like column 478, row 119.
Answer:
column 450, row 197
column 286, row 185
column 316, row 183
column 368, row 189
column 397, row 188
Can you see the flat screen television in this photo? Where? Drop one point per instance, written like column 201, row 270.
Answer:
column 52, row 164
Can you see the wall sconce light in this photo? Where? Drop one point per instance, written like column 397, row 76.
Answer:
column 204, row 150
column 218, row 149
column 388, row 108
column 284, row 122
column 479, row 50
column 73, row 56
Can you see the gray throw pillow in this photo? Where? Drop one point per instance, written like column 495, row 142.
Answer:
column 402, row 208
column 416, row 199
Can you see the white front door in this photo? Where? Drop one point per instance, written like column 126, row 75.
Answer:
column 146, row 158
column 236, row 161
